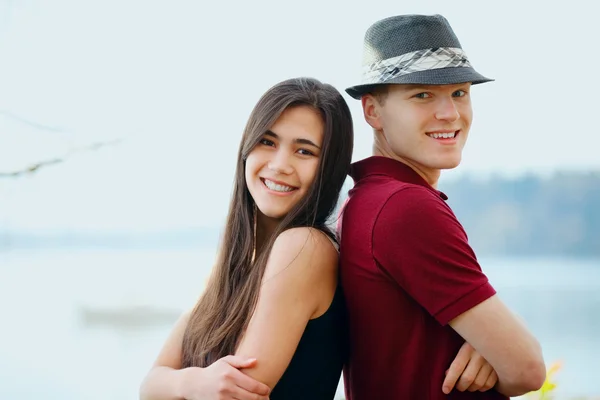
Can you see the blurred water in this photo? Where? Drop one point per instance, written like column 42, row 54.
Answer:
column 46, row 349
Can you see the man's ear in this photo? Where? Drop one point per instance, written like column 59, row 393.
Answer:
column 372, row 111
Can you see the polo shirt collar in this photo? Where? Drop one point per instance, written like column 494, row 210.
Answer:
column 378, row 165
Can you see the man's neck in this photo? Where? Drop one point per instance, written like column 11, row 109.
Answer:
column 431, row 176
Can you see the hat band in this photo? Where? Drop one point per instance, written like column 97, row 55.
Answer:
column 416, row 61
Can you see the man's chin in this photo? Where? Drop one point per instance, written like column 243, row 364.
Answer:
column 448, row 164
column 452, row 166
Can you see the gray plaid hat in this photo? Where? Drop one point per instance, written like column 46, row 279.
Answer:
column 413, row 49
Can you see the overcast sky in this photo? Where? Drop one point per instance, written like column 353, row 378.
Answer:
column 176, row 80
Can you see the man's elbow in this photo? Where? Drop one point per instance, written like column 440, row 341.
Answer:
column 535, row 375
column 528, row 378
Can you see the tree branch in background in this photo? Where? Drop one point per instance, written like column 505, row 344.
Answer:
column 27, row 121
column 41, row 164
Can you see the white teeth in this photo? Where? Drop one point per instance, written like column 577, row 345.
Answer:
column 442, row 135
column 276, row 187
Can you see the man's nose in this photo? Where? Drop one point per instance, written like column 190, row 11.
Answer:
column 447, row 110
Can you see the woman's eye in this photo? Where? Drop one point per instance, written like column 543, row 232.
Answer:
column 306, row 152
column 267, row 142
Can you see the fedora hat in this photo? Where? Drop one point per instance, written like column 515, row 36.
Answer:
column 413, row 49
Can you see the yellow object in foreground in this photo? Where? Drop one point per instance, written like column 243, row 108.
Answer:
column 544, row 393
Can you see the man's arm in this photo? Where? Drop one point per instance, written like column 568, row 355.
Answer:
column 436, row 266
column 497, row 334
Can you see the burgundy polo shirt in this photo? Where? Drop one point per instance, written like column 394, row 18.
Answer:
column 407, row 270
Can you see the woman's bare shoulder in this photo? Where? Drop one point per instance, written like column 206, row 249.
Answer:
column 303, row 250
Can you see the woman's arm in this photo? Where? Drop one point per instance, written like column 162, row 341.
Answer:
column 300, row 277
column 165, row 380
column 221, row 380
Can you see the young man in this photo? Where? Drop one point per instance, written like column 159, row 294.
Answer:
column 415, row 291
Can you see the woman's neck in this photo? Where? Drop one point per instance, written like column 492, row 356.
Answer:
column 265, row 227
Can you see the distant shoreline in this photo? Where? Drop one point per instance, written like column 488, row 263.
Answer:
column 207, row 238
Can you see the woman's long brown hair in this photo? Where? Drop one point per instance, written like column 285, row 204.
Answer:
column 221, row 316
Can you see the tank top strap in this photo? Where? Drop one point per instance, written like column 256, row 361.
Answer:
column 333, row 242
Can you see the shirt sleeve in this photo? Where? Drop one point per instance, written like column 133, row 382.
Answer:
column 420, row 244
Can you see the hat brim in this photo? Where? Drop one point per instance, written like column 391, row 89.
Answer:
column 442, row 76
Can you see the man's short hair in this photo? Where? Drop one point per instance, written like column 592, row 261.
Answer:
column 380, row 92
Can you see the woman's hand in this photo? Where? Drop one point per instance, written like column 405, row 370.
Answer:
column 223, row 380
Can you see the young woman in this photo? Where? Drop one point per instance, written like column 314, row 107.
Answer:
column 273, row 294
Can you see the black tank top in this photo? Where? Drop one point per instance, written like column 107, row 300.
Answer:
column 315, row 369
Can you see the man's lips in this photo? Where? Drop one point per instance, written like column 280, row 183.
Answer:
column 443, row 134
